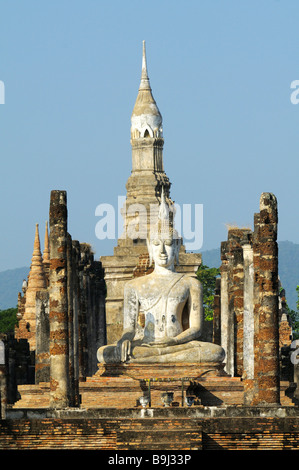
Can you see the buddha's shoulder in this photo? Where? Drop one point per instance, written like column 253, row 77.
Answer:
column 191, row 279
column 152, row 280
column 135, row 283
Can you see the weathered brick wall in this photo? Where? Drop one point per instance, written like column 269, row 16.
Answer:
column 22, row 330
column 73, row 302
column 217, row 313
column 232, row 270
column 151, row 433
column 251, row 434
column 143, row 267
column 253, row 256
column 236, row 294
column 18, row 367
column 57, row 434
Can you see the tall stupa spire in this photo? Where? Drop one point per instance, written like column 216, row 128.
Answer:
column 148, row 176
column 146, row 119
column 36, row 278
column 36, row 282
column 46, row 253
column 144, row 83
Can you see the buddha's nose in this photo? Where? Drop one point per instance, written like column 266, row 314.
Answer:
column 162, row 248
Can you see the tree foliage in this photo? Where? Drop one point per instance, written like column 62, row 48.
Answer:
column 8, row 319
column 207, row 277
column 294, row 316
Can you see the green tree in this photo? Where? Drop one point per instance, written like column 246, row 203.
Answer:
column 207, row 277
column 8, row 319
column 294, row 316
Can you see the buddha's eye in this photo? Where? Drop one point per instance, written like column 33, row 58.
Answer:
column 156, row 242
column 168, row 242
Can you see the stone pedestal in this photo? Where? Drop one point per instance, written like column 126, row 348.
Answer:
column 166, row 371
column 123, row 385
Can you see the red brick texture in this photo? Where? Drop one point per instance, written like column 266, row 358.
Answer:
column 151, row 433
column 265, row 248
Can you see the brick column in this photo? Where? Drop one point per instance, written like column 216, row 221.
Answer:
column 83, row 354
column 237, row 279
column 232, row 322
column 217, row 313
column 267, row 380
column 73, row 385
column 224, row 331
column 3, row 386
column 58, row 312
column 248, row 323
column 294, row 350
column 232, row 299
column 76, row 310
column 42, row 352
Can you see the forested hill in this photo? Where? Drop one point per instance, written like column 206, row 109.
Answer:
column 288, row 257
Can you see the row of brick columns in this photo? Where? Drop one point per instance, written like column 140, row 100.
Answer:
column 69, row 322
column 245, row 321
column 67, row 345
column 76, row 303
column 246, row 305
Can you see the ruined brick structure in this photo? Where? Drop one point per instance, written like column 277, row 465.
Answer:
column 54, row 395
column 253, row 325
column 62, row 311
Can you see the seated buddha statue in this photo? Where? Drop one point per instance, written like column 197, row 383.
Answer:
column 163, row 311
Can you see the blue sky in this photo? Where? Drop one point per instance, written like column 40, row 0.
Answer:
column 220, row 72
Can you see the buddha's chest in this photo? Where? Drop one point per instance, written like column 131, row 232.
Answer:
column 163, row 297
column 161, row 310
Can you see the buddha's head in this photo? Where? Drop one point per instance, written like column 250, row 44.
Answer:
column 164, row 241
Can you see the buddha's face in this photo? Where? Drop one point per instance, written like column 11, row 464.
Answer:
column 163, row 251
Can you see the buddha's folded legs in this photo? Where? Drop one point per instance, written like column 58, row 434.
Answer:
column 194, row 351
column 108, row 354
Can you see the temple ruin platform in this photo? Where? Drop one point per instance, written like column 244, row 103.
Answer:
column 110, row 416
column 225, row 427
column 123, row 390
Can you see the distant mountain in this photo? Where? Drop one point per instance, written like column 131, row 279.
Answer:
column 288, row 267
column 211, row 258
column 10, row 285
column 288, row 258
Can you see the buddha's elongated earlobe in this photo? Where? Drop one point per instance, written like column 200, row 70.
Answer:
column 177, row 250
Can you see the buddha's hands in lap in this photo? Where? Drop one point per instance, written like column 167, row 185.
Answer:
column 161, row 342
column 124, row 348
